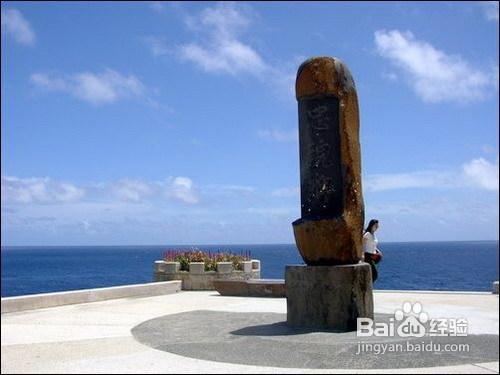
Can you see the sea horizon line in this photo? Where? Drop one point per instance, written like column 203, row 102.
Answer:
column 229, row 244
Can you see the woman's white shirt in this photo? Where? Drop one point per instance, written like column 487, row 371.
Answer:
column 369, row 243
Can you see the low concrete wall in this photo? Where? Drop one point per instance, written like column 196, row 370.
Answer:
column 39, row 301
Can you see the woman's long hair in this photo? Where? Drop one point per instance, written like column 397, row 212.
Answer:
column 369, row 228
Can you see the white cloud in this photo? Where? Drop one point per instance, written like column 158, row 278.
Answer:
column 45, row 190
column 434, row 75
column 49, row 83
column 38, row 190
column 222, row 51
column 279, row 136
column 106, row 87
column 411, row 180
column 228, row 56
column 181, row 188
column 132, row 190
column 437, row 218
column 14, row 23
column 286, row 192
column 481, row 173
column 226, row 18
column 237, row 189
column 221, row 47
column 477, row 173
column 490, row 10
column 176, row 188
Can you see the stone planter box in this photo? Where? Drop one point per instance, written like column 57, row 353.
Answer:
column 159, row 266
column 248, row 266
column 196, row 268
column 199, row 279
column 171, row 267
column 224, row 267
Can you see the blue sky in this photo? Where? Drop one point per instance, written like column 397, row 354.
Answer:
column 176, row 123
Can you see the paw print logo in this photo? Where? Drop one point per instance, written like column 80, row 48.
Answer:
column 412, row 320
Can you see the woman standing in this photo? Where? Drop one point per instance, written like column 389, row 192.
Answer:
column 371, row 253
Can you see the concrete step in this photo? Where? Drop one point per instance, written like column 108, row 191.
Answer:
column 251, row 288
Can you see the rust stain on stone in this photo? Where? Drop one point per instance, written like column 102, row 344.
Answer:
column 337, row 240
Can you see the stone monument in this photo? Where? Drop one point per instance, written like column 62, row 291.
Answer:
column 334, row 288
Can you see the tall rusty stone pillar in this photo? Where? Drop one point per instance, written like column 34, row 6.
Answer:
column 335, row 287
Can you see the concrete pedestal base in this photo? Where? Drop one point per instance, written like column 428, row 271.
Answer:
column 328, row 297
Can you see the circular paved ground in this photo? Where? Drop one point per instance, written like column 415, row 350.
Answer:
column 264, row 339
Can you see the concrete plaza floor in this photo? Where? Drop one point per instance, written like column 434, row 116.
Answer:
column 97, row 337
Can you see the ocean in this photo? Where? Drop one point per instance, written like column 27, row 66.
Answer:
column 452, row 266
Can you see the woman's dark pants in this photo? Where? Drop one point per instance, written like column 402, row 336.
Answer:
column 371, row 262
